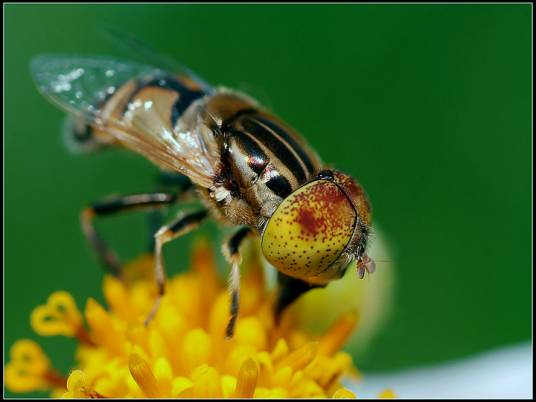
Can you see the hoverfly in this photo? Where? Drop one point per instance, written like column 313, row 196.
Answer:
column 247, row 167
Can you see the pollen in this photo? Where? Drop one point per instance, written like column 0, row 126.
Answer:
column 182, row 352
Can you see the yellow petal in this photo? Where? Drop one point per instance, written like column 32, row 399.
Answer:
column 163, row 374
column 249, row 330
column 261, row 393
column 196, row 349
column 206, row 382
column 29, row 355
column 117, row 297
column 46, row 323
column 170, row 321
column 59, row 316
column 17, row 379
column 157, row 345
column 228, row 386
column 238, row 354
column 302, row 386
column 266, row 367
column 338, row 334
column 103, row 330
column 252, row 288
column 219, row 315
column 301, row 357
column 179, row 384
column 77, row 384
column 247, row 379
column 144, row 377
column 343, row 393
column 138, row 334
column 203, row 263
column 172, row 326
column 113, row 386
column 63, row 303
column 141, row 298
column 186, row 294
column 280, row 349
column 277, row 392
column 282, row 377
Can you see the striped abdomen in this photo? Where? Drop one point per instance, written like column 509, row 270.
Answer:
column 265, row 158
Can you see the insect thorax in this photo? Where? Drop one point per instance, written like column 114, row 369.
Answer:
column 262, row 159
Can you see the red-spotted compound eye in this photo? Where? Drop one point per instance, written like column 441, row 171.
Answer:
column 309, row 230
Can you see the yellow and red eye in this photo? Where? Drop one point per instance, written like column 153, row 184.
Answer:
column 309, row 230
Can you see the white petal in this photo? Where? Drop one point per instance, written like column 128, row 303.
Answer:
column 501, row 373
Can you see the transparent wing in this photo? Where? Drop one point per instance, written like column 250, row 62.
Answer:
column 112, row 96
column 79, row 85
column 134, row 48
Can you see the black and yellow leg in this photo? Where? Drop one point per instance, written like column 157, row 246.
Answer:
column 112, row 206
column 232, row 253
column 165, row 182
column 179, row 227
column 155, row 220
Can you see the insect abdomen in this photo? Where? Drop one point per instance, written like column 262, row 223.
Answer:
column 186, row 94
column 260, row 134
column 267, row 160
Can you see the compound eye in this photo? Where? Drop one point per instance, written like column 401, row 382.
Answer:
column 309, row 230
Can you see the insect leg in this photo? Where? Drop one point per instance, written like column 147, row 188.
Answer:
column 165, row 181
column 112, row 206
column 289, row 290
column 232, row 253
column 179, row 227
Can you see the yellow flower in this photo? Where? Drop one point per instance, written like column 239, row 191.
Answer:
column 183, row 352
column 29, row 369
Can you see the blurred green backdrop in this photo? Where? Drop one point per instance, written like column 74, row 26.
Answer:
column 429, row 106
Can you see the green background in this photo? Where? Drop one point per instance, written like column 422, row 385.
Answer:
column 429, row 106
